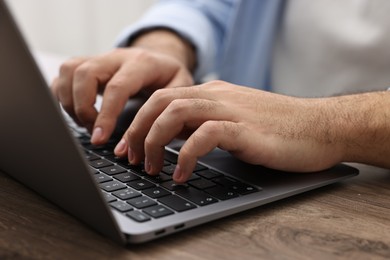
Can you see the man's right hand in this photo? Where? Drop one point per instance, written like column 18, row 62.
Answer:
column 120, row 75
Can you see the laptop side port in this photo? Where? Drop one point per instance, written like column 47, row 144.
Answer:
column 180, row 226
column 159, row 232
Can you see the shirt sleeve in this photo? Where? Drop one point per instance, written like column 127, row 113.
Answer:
column 202, row 22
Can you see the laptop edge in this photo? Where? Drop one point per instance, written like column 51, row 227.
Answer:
column 52, row 163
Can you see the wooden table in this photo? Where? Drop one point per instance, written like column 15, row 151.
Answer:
column 349, row 220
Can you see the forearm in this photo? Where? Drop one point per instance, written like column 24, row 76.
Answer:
column 167, row 42
column 361, row 123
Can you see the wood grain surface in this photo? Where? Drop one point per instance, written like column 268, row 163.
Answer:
column 349, row 220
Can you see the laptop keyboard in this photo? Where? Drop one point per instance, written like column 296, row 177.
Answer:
column 141, row 197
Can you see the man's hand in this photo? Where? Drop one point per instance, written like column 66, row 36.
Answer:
column 258, row 127
column 119, row 75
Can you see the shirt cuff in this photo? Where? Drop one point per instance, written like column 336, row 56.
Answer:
column 180, row 19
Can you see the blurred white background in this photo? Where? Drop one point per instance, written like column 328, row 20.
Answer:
column 75, row 27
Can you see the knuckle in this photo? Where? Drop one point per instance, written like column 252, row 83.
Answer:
column 105, row 119
column 83, row 70
column 214, row 83
column 67, row 67
column 157, row 126
column 131, row 134
column 70, row 65
column 141, row 55
column 178, row 107
column 195, row 139
column 216, row 128
column 218, row 86
column 186, row 151
column 211, row 128
column 115, row 85
column 159, row 94
column 162, row 95
column 149, row 142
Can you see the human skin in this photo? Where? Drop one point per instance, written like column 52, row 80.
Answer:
column 277, row 131
column 159, row 59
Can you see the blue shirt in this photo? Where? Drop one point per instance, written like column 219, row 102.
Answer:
column 233, row 38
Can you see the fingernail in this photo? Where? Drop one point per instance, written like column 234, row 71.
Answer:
column 177, row 173
column 120, row 147
column 130, row 155
column 147, row 165
column 97, row 134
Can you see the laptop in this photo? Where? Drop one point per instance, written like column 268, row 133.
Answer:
column 54, row 158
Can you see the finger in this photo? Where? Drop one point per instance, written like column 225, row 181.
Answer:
column 126, row 83
column 181, row 78
column 54, row 87
column 148, row 113
column 226, row 135
column 133, row 75
column 181, row 114
column 86, row 81
column 62, row 85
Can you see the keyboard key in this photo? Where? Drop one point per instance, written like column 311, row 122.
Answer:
column 158, row 178
column 112, row 186
column 244, row 189
column 193, row 177
column 199, row 167
column 138, row 169
column 141, row 202
column 91, row 157
column 93, row 170
column 236, row 186
column 121, row 206
column 126, row 177
column 221, row 193
column 170, row 157
column 108, row 197
column 116, row 159
column 138, row 216
column 92, row 147
column 225, row 181
column 141, row 184
column 169, row 169
column 173, row 186
column 202, row 184
column 100, row 163
column 104, row 151
column 111, row 170
column 196, row 196
column 209, row 174
column 84, row 140
column 156, row 192
column 100, row 178
column 176, row 203
column 126, row 194
column 158, row 211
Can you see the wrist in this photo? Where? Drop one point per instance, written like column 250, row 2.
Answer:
column 358, row 128
column 167, row 42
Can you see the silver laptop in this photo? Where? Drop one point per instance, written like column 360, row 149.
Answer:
column 119, row 200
